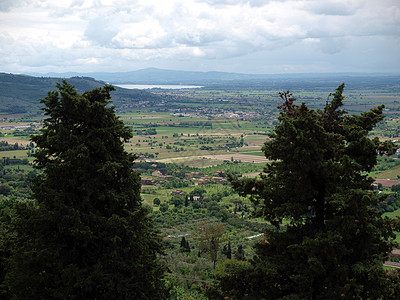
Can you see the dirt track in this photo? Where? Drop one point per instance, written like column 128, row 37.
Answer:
column 237, row 156
column 220, row 157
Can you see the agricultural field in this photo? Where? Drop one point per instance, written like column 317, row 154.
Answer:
column 186, row 146
column 209, row 126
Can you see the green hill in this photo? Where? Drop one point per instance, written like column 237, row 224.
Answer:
column 21, row 93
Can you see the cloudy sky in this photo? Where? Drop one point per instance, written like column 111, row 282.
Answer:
column 254, row 36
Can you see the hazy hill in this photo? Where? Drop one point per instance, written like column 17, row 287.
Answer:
column 238, row 80
column 21, row 93
column 160, row 76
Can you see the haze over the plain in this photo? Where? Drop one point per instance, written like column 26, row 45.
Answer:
column 246, row 36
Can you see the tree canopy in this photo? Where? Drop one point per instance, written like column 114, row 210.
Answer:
column 210, row 237
column 86, row 235
column 335, row 239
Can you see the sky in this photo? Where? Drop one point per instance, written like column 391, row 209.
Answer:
column 254, row 36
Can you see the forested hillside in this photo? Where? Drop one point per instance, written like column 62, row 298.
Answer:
column 21, row 93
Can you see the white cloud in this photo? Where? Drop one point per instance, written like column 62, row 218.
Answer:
column 89, row 60
column 333, row 7
column 100, row 32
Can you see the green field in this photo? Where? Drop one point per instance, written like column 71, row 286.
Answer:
column 257, row 153
column 14, row 154
column 393, row 174
column 391, row 215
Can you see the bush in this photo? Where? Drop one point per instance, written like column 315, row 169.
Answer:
column 396, row 188
column 164, row 207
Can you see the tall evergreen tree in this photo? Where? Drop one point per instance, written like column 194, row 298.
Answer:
column 336, row 239
column 227, row 250
column 87, row 235
column 183, row 242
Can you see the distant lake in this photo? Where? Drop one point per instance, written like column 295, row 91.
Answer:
column 157, row 86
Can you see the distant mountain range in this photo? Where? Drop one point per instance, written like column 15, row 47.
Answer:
column 161, row 76
column 21, row 93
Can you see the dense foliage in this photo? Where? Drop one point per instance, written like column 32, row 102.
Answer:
column 336, row 239
column 86, row 235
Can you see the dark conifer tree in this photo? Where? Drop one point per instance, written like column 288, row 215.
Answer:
column 239, row 254
column 187, row 247
column 183, row 242
column 336, row 239
column 229, row 251
column 87, row 235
